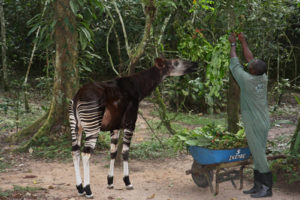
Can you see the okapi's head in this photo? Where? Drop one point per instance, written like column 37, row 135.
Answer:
column 175, row 67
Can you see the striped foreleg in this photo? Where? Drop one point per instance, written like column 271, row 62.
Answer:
column 125, row 153
column 114, row 137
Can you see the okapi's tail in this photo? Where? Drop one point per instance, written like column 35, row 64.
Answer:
column 74, row 125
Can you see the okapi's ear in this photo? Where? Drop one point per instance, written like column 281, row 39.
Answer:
column 159, row 63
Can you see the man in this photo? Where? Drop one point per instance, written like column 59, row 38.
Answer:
column 255, row 115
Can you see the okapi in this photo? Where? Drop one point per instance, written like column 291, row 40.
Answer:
column 111, row 106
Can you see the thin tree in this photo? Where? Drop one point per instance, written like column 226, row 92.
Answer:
column 295, row 143
column 25, row 85
column 4, row 47
column 233, row 93
column 66, row 77
column 134, row 55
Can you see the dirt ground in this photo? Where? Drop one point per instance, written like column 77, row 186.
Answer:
column 162, row 179
column 157, row 180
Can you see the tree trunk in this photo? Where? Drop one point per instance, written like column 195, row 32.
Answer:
column 233, row 93
column 233, row 105
column 295, row 144
column 118, row 161
column 4, row 47
column 66, row 78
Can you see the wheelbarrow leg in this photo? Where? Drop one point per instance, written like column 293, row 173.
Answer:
column 242, row 177
column 209, row 180
column 217, row 183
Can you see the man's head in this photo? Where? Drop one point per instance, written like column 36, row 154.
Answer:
column 257, row 67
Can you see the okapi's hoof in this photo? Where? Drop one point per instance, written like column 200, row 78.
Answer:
column 88, row 192
column 80, row 190
column 127, row 183
column 110, row 181
column 110, row 186
column 89, row 196
column 129, row 187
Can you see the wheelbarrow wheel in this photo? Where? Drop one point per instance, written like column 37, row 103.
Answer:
column 199, row 177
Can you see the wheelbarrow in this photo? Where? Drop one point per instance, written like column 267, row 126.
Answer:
column 221, row 164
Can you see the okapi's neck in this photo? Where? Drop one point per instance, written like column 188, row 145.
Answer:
column 146, row 81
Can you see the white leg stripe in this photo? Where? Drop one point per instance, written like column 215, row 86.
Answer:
column 86, row 168
column 111, row 168
column 125, row 168
column 76, row 161
column 125, row 148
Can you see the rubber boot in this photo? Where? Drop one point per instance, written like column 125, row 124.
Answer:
column 266, row 188
column 257, row 184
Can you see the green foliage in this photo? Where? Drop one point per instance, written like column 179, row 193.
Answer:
column 193, row 45
column 205, row 4
column 210, row 136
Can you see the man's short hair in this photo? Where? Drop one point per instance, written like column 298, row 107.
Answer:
column 260, row 67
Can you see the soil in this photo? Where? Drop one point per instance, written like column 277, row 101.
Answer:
column 157, row 180
column 162, row 179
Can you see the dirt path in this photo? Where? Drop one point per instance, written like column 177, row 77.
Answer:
column 157, row 180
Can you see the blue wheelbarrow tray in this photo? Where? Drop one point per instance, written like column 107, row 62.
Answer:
column 205, row 156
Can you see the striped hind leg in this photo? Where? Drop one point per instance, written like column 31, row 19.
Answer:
column 91, row 114
column 125, row 153
column 114, row 137
column 90, row 143
column 76, row 133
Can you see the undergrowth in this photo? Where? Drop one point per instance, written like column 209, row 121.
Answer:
column 8, row 194
column 4, row 165
column 13, row 116
column 194, row 119
column 287, row 168
column 152, row 149
column 59, row 147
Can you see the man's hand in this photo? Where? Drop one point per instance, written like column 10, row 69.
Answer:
column 241, row 37
column 232, row 38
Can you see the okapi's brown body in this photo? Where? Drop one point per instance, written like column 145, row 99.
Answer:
column 120, row 97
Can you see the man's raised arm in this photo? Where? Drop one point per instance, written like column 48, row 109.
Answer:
column 247, row 53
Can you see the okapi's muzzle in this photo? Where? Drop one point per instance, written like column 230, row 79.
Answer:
column 191, row 67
